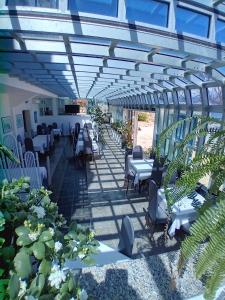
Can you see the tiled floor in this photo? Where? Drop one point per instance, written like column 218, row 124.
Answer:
column 101, row 202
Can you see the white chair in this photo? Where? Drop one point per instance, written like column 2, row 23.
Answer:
column 126, row 241
column 32, row 169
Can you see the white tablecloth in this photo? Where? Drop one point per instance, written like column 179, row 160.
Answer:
column 40, row 142
column 183, row 211
column 107, row 255
column 142, row 168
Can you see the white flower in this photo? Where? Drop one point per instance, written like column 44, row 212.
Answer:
column 81, row 255
column 51, row 230
column 75, row 248
column 30, row 298
column 23, row 288
column 58, row 246
column 83, row 295
column 39, row 210
column 57, row 276
column 73, row 298
column 33, row 236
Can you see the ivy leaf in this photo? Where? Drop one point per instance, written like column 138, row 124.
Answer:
column 45, row 267
column 39, row 250
column 23, row 240
column 50, row 244
column 40, row 282
column 14, row 286
column 45, row 236
column 21, row 230
column 22, row 264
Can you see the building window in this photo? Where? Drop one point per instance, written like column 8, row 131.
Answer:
column 181, row 96
column 46, row 107
column 220, row 31
column 148, row 11
column 100, row 7
column 215, row 95
column 195, row 96
column 35, row 3
column 160, row 98
column 192, row 22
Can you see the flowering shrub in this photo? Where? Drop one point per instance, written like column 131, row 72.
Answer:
column 36, row 242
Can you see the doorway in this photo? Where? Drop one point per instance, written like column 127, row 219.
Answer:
column 27, row 123
column 145, row 130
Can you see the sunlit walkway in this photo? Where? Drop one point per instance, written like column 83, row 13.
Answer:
column 109, row 203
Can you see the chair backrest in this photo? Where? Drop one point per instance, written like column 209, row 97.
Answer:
column 127, row 152
column 19, row 139
column 77, row 129
column 152, row 194
column 126, row 241
column 54, row 125
column 31, row 169
column 39, row 129
column 137, row 152
column 29, row 144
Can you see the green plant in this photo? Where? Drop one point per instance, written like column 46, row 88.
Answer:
column 143, row 117
column 126, row 131
column 37, row 243
column 209, row 229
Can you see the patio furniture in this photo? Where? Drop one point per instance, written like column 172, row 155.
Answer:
column 106, row 255
column 156, row 212
column 54, row 125
column 29, row 144
column 126, row 237
column 141, row 168
column 183, row 212
column 137, row 152
column 41, row 143
column 50, row 128
column 39, row 129
column 19, row 139
column 130, row 177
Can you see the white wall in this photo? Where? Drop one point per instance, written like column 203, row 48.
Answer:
column 68, row 121
column 16, row 96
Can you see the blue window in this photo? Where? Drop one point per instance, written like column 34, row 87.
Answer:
column 101, row 7
column 37, row 3
column 181, row 96
column 192, row 22
column 220, row 31
column 148, row 11
column 195, row 96
column 170, row 97
column 215, row 95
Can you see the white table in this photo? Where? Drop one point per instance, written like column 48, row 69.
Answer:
column 106, row 255
column 41, row 142
column 142, row 168
column 183, row 211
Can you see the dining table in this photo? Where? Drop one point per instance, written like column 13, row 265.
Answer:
column 41, row 142
column 141, row 168
column 184, row 211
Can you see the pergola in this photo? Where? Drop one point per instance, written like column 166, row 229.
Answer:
column 112, row 58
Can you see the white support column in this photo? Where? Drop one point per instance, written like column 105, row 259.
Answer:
column 172, row 16
column 121, row 10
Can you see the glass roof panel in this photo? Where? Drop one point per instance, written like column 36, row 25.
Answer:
column 195, row 96
column 120, row 64
column 169, row 52
column 135, row 46
column 220, row 31
column 101, row 7
column 192, row 22
column 148, row 11
column 221, row 70
column 215, row 95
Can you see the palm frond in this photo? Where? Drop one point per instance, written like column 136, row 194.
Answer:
column 4, row 150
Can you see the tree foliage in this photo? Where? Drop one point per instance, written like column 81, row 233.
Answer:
column 194, row 161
